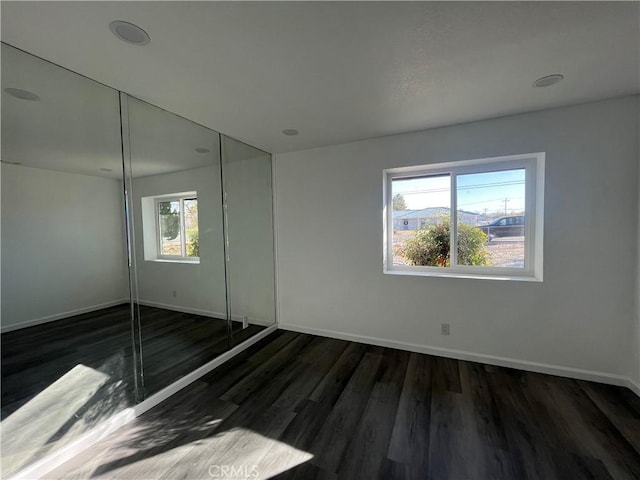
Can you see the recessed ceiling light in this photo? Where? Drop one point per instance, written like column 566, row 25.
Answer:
column 106, row 169
column 548, row 80
column 202, row 150
column 22, row 94
column 129, row 32
column 290, row 132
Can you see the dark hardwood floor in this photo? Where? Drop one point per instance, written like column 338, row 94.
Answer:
column 60, row 379
column 304, row 407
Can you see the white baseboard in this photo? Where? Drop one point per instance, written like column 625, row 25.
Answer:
column 204, row 313
column 45, row 465
column 577, row 373
column 183, row 309
column 252, row 321
column 60, row 316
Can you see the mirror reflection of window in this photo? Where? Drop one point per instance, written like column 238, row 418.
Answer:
column 178, row 228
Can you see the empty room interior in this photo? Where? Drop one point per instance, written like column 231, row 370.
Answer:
column 332, row 240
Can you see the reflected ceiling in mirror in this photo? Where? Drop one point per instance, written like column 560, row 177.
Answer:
column 162, row 142
column 55, row 119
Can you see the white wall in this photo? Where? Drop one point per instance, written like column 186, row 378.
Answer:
column 329, row 229
column 63, row 245
column 199, row 288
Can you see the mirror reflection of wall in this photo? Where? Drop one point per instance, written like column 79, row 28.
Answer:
column 248, row 195
column 66, row 346
column 176, row 202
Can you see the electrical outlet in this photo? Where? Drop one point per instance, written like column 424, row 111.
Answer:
column 445, row 329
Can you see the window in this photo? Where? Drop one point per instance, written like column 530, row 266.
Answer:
column 170, row 227
column 473, row 218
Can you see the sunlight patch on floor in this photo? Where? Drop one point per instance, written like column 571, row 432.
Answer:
column 254, row 455
column 238, row 453
column 28, row 430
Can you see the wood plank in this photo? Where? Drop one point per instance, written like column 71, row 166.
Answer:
column 330, row 388
column 331, row 443
column 620, row 405
column 368, row 445
column 582, row 428
column 316, row 368
column 485, row 410
column 252, row 444
column 306, row 471
column 242, row 390
column 409, row 442
column 395, row 470
column 533, row 443
column 304, row 428
column 484, row 440
column 446, row 375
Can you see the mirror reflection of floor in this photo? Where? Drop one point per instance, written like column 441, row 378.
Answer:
column 62, row 378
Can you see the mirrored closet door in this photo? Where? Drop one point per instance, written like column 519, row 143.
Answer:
column 248, row 204
column 137, row 246
column 67, row 356
column 175, row 200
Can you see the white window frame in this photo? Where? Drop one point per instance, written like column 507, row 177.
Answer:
column 183, row 232
column 532, row 163
column 152, row 243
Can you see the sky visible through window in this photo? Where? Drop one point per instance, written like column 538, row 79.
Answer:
column 486, row 192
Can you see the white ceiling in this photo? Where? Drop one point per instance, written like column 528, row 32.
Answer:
column 340, row 71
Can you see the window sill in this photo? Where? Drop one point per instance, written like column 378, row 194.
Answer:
column 474, row 276
column 177, row 260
